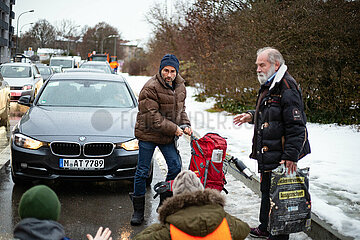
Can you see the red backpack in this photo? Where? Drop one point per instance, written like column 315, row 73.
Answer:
column 207, row 158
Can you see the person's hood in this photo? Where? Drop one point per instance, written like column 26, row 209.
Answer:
column 34, row 229
column 197, row 213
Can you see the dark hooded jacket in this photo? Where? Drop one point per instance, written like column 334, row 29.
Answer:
column 197, row 214
column 280, row 129
column 35, row 229
column 161, row 110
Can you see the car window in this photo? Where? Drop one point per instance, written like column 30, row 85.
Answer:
column 16, row 71
column 100, row 67
column 44, row 70
column 65, row 63
column 86, row 93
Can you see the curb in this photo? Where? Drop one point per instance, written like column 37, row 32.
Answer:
column 4, row 156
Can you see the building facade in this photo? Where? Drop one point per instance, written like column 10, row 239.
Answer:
column 6, row 29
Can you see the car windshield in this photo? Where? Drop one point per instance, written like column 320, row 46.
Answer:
column 99, row 58
column 65, row 63
column 16, row 71
column 44, row 70
column 86, row 93
column 100, row 67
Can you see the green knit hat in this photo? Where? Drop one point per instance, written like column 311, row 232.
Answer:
column 40, row 202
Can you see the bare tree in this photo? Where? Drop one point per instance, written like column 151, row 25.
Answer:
column 95, row 39
column 44, row 33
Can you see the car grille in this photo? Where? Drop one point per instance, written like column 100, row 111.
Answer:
column 98, row 149
column 16, row 88
column 65, row 148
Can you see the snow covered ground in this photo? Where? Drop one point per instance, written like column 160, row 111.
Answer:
column 334, row 176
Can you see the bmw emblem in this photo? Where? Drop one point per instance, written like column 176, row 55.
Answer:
column 82, row 138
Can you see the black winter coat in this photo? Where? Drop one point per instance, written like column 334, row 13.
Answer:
column 280, row 130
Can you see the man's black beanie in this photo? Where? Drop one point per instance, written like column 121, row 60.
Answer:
column 169, row 60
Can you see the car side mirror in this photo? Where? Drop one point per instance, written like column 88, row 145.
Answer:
column 37, row 75
column 25, row 100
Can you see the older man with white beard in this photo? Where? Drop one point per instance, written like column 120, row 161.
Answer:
column 280, row 134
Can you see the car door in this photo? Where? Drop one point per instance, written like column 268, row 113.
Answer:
column 38, row 80
column 3, row 93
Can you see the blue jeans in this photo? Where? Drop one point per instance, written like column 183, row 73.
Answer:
column 146, row 151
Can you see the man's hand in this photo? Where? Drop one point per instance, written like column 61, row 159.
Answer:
column 100, row 235
column 188, row 131
column 242, row 118
column 291, row 166
column 179, row 132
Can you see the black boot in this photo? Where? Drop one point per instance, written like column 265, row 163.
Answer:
column 164, row 196
column 139, row 207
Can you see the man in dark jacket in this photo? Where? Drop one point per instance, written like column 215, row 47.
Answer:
column 194, row 212
column 161, row 113
column 280, row 134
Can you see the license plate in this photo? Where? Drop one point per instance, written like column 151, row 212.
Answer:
column 81, row 164
column 17, row 94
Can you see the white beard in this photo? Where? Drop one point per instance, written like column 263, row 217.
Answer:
column 263, row 77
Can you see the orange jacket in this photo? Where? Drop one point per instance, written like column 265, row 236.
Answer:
column 221, row 232
column 114, row 64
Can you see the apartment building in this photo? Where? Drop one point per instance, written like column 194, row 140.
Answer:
column 7, row 17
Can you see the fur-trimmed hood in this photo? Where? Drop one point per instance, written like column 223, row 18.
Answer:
column 197, row 214
column 181, row 201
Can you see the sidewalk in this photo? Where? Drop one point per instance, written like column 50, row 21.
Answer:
column 4, row 156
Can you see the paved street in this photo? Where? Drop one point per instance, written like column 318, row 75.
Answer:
column 85, row 206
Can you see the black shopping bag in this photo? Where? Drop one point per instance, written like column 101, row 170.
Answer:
column 290, row 203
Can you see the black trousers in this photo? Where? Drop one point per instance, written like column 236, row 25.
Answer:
column 265, row 205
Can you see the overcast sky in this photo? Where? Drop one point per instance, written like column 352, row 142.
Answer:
column 128, row 16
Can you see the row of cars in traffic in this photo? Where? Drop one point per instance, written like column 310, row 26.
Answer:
column 79, row 126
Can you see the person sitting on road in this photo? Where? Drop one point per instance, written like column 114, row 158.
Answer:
column 194, row 212
column 39, row 210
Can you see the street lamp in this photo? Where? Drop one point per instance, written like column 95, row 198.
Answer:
column 111, row 36
column 20, row 33
column 24, row 26
column 17, row 28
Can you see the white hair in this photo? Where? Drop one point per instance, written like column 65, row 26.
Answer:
column 273, row 55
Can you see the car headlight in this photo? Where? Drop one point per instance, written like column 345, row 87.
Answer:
column 131, row 145
column 27, row 87
column 27, row 142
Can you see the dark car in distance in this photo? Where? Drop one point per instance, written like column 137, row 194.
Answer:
column 80, row 127
column 45, row 71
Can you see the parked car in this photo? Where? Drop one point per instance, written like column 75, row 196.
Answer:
column 23, row 78
column 87, row 130
column 104, row 66
column 45, row 71
column 4, row 102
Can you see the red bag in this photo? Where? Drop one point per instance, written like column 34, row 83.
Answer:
column 207, row 158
